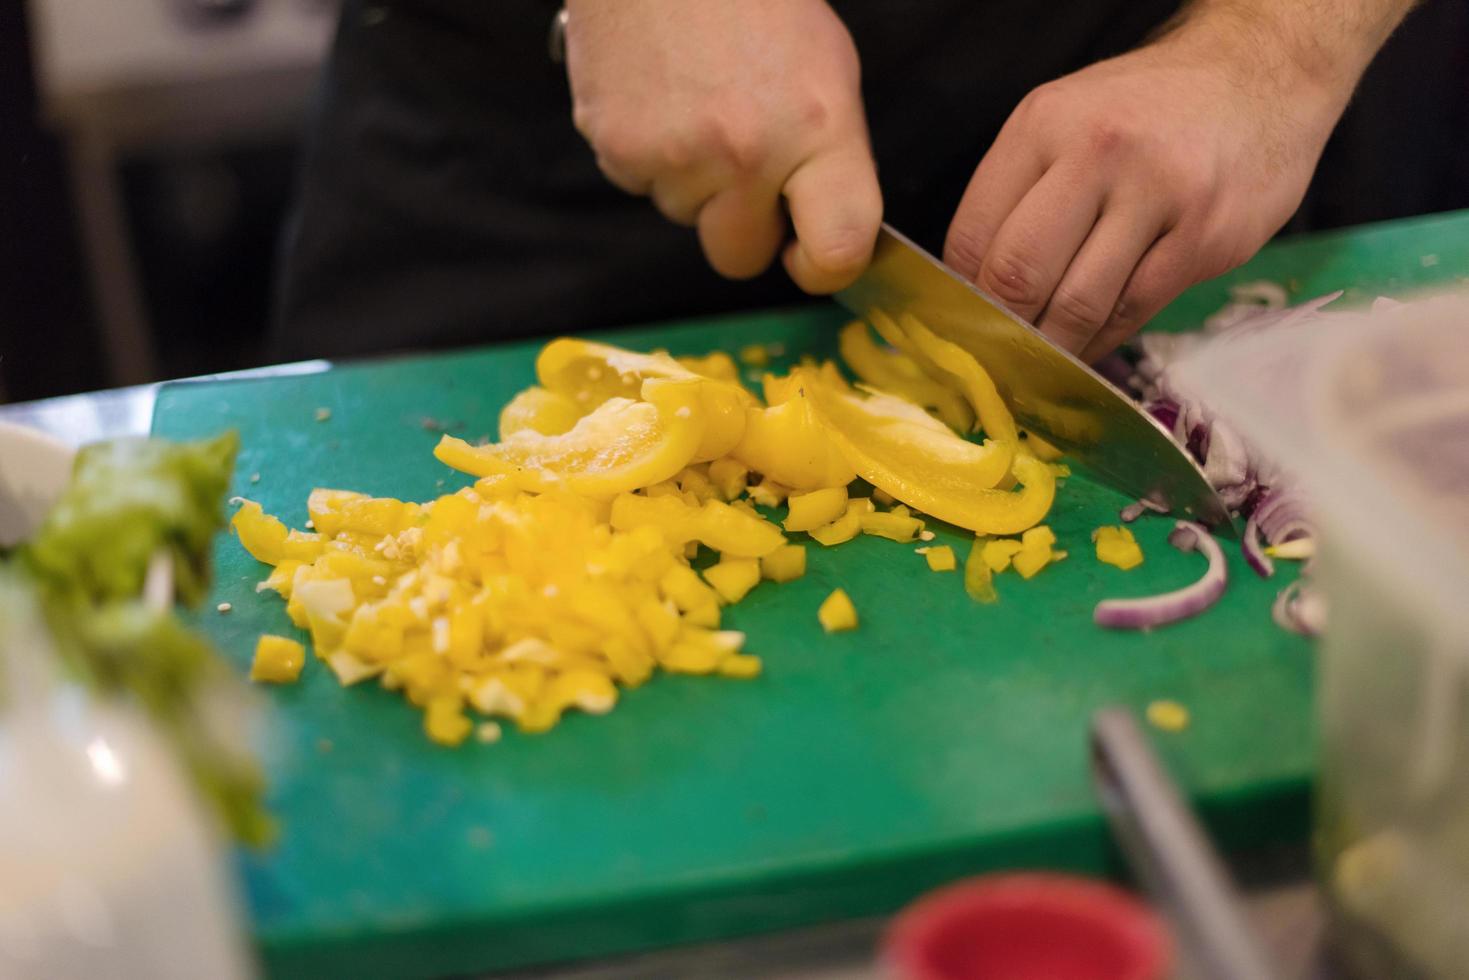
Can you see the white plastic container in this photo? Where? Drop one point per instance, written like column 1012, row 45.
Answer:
column 1370, row 413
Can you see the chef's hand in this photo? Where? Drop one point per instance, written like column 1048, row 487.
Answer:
column 1110, row 191
column 718, row 109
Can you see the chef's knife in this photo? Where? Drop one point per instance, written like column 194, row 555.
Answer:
column 1050, row 391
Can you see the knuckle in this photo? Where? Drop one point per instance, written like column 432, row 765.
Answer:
column 741, row 143
column 1106, row 138
column 1041, row 102
column 964, row 250
column 1013, row 280
column 1077, row 309
column 840, row 248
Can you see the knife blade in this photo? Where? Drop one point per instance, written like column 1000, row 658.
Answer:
column 1100, row 428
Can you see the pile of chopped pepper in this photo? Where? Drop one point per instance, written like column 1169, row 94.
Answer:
column 565, row 573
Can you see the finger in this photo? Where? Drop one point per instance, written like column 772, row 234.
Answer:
column 1006, row 172
column 1032, row 249
column 741, row 230
column 624, row 178
column 1165, row 270
column 1089, row 290
column 836, row 209
column 680, row 197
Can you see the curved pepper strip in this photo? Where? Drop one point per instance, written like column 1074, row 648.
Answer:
column 788, row 443
column 915, row 458
column 965, row 371
column 539, row 410
column 590, row 373
column 897, row 374
column 622, row 445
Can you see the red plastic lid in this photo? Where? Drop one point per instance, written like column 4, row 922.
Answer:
column 1028, row 927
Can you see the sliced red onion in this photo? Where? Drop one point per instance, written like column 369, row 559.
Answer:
column 1254, row 554
column 1159, row 610
column 1136, row 509
column 1165, row 410
column 1300, row 609
column 1115, row 368
column 1198, row 441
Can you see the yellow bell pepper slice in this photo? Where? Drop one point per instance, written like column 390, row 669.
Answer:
column 894, row 527
column 622, row 445
column 715, row 364
column 1117, row 546
column 895, row 373
column 915, row 458
column 591, row 373
column 789, row 445
column 979, row 580
column 964, row 371
column 269, row 541
column 548, row 412
column 811, row 510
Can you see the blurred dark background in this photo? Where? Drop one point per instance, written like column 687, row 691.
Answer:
column 148, row 150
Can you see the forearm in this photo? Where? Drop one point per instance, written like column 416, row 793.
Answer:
column 1322, row 44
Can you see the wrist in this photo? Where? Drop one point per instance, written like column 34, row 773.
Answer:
column 1276, row 49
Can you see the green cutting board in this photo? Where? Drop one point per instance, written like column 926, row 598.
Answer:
column 940, row 739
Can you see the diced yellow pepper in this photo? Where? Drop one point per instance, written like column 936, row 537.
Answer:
column 1117, row 546
column 837, row 613
column 940, row 558
column 998, row 552
column 445, row 722
column 704, row 614
column 755, row 355
column 1038, row 538
column 1029, row 561
column 1169, row 716
column 695, row 480
column 588, row 690
column 768, row 493
column 729, row 476
column 716, row 524
column 280, row 579
column 785, row 564
column 813, row 509
column 895, row 527
column 740, row 665
column 733, row 578
column 846, row 527
column 278, row 660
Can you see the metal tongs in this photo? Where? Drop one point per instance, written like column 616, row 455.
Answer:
column 1170, row 853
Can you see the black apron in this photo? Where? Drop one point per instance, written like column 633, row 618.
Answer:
column 445, row 198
